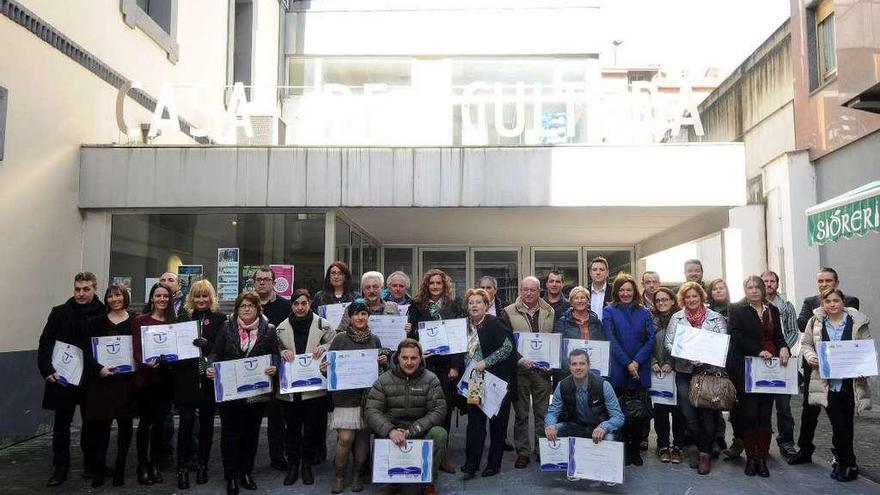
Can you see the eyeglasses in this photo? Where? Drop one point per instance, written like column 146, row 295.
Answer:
column 263, row 279
column 246, row 306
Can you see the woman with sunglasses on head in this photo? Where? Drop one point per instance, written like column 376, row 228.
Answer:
column 246, row 334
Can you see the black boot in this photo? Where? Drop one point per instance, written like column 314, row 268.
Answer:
column 143, row 474
column 802, row 457
column 636, row 454
column 247, row 482
column 750, row 467
column 59, row 475
column 201, row 474
column 292, row 473
column 98, row 479
column 156, row 473
column 183, row 479
column 307, row 476
column 119, row 474
column 232, row 485
column 761, row 468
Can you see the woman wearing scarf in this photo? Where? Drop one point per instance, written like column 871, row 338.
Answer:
column 435, row 300
column 629, row 327
column 662, row 363
column 192, row 390
column 755, row 330
column 700, row 421
column 347, row 417
column 245, row 334
column 577, row 322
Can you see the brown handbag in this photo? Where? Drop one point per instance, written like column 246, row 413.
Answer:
column 712, row 390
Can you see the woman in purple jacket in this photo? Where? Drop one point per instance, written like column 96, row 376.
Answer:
column 629, row 327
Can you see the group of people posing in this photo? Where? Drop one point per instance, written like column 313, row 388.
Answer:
column 416, row 396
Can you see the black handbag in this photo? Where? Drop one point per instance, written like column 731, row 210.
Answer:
column 636, row 404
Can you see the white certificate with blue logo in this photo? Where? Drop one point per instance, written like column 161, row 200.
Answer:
column 174, row 341
column 440, row 337
column 663, row 390
column 601, row 461
column 241, row 378
column 847, row 359
column 541, row 348
column 114, row 352
column 391, row 329
column 333, row 313
column 67, row 359
column 408, row 464
column 302, row 374
column 768, row 376
column 347, row 370
column 554, row 455
column 705, row 346
column 598, row 350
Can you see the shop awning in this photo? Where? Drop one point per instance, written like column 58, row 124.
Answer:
column 854, row 213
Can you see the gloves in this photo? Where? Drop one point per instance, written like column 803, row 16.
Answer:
column 200, row 342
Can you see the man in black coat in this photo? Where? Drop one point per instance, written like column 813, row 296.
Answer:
column 67, row 323
column 826, row 278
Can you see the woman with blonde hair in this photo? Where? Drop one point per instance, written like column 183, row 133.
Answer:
column 191, row 388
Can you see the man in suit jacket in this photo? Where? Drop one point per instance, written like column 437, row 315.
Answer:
column 600, row 288
column 826, row 278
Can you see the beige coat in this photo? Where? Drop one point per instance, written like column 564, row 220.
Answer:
column 518, row 316
column 320, row 334
column 819, row 387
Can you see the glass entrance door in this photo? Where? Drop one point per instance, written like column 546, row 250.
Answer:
column 453, row 261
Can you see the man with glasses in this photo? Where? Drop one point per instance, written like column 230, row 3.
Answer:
column 650, row 284
column 276, row 309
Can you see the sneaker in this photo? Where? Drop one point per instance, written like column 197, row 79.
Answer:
column 675, row 455
column 665, row 455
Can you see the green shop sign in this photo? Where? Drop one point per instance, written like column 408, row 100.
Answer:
column 854, row 213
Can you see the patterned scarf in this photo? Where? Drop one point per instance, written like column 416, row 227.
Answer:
column 247, row 333
column 696, row 319
column 434, row 308
column 358, row 336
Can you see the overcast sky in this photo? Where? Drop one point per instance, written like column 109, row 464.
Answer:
column 690, row 33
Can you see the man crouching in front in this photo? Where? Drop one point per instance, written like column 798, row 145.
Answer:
column 407, row 402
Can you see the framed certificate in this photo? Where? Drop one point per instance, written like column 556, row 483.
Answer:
column 494, row 390
column 67, row 359
column 663, row 390
column 768, row 376
column 174, row 341
column 303, row 374
column 411, row 463
column 847, row 358
column 443, row 336
column 541, row 348
column 352, row 369
column 598, row 350
column 554, row 455
column 114, row 352
column 695, row 344
column 601, row 461
column 241, row 378
column 391, row 329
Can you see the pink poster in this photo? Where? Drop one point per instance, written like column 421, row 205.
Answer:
column 283, row 279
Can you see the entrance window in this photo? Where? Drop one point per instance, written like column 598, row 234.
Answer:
column 400, row 259
column 357, row 267
column 343, row 242
column 503, row 265
column 563, row 260
column 619, row 260
column 451, row 261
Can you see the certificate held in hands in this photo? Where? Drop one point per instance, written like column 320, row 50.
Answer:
column 663, row 390
column 333, row 313
column 408, row 464
column 443, row 336
column 540, row 348
column 847, row 359
column 67, row 359
column 695, row 344
column 114, row 352
column 241, row 378
column 768, row 376
column 174, row 341
column 348, row 370
column 302, row 374
column 601, row 461
column 391, row 329
column 554, row 455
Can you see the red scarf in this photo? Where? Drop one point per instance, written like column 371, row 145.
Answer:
column 247, row 333
column 696, row 319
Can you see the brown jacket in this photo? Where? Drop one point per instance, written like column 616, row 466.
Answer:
column 517, row 316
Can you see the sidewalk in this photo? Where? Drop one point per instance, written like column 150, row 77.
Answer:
column 25, row 467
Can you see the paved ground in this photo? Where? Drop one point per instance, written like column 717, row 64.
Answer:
column 25, row 467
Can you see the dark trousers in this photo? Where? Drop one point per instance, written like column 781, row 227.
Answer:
column 185, row 433
column 755, row 411
column 784, row 420
column 841, row 411
column 275, row 430
column 302, row 428
column 700, row 422
column 154, row 406
column 662, row 413
column 61, row 437
column 476, row 436
column 240, row 435
column 101, row 441
column 809, row 417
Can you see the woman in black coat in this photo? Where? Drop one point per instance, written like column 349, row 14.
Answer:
column 245, row 334
column 110, row 393
column 435, row 300
column 338, row 287
column 491, row 348
column 755, row 330
column 191, row 389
